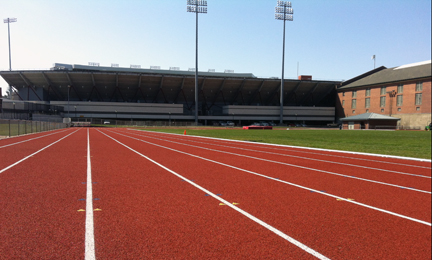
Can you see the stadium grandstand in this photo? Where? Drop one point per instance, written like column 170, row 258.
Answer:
column 84, row 92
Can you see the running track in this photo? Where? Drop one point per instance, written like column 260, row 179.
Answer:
column 89, row 193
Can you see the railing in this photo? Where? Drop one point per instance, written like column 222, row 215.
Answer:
column 15, row 127
column 124, row 123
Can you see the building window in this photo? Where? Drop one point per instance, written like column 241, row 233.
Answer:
column 383, row 91
column 367, row 110
column 400, row 89
column 419, row 86
column 353, row 111
column 354, row 103
column 382, row 110
column 399, row 109
column 399, row 100
column 418, row 99
column 382, row 101
column 343, row 94
column 418, row 108
column 354, row 93
column 368, row 91
column 343, row 103
column 367, row 102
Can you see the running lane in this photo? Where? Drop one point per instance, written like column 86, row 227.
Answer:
column 382, row 195
column 39, row 200
column 146, row 212
column 337, row 229
column 14, row 149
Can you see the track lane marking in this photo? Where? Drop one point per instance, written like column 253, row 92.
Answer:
column 301, row 157
column 289, row 183
column 313, row 159
column 89, row 225
column 255, row 219
column 25, row 158
column 248, row 143
column 31, row 139
column 298, row 166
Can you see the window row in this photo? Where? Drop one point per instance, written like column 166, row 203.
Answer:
column 383, row 90
column 399, row 101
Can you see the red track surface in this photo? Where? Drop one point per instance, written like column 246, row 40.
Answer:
column 144, row 211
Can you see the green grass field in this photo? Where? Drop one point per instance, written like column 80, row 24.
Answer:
column 401, row 143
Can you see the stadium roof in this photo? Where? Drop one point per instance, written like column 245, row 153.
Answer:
column 383, row 75
column 114, row 84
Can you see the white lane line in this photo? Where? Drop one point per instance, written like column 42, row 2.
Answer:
column 305, row 158
column 25, row 158
column 249, row 143
column 89, row 225
column 262, row 223
column 30, row 139
column 297, row 166
column 289, row 183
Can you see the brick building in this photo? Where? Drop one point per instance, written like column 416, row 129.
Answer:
column 402, row 92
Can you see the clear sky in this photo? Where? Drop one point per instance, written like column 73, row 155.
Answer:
column 328, row 39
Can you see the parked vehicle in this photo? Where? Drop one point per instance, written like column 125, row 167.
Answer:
column 106, row 122
column 230, row 123
column 222, row 123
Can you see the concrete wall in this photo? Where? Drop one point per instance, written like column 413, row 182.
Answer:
column 289, row 113
column 120, row 107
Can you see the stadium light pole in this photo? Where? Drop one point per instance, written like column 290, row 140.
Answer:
column 8, row 21
column 68, row 99
column 196, row 6
column 283, row 11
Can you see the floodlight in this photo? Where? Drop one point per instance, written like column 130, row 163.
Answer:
column 284, row 12
column 196, row 6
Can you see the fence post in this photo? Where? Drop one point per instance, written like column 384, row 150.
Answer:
column 9, row 128
column 18, row 127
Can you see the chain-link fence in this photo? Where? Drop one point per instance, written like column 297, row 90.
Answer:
column 14, row 127
column 132, row 123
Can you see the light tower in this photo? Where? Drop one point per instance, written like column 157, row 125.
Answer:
column 283, row 11
column 8, row 21
column 196, row 6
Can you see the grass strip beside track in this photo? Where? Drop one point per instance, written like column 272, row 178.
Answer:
column 415, row 144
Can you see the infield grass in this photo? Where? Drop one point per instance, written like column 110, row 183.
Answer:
column 400, row 143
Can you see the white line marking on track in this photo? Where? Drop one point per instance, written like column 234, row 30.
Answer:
column 289, row 183
column 25, row 158
column 313, row 159
column 301, row 167
column 301, row 157
column 31, row 139
column 89, row 225
column 262, row 223
column 311, row 148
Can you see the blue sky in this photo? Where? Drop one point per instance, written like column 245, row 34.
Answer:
column 330, row 40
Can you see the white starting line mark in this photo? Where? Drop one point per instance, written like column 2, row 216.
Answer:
column 289, row 183
column 262, row 223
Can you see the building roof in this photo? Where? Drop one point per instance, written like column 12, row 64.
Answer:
column 113, row 84
column 368, row 116
column 383, row 75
